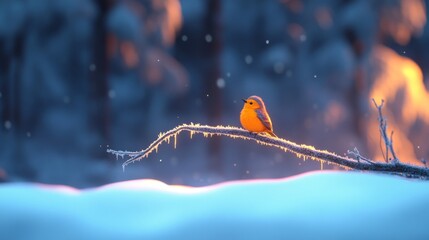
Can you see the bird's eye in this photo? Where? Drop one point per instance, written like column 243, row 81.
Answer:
column 250, row 103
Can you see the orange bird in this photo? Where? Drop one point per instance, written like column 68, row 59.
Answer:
column 254, row 117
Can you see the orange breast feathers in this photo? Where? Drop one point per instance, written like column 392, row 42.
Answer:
column 254, row 116
column 250, row 121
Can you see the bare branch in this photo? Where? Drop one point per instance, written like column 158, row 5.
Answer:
column 383, row 132
column 381, row 149
column 358, row 156
column 302, row 151
column 395, row 159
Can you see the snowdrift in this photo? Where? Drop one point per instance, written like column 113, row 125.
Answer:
column 318, row 205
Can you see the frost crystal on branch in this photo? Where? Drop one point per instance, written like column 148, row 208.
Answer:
column 301, row 151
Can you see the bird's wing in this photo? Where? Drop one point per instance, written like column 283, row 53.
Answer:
column 265, row 119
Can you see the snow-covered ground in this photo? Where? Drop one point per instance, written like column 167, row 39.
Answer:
column 318, row 205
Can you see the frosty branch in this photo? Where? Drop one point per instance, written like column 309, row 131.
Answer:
column 302, row 151
column 388, row 142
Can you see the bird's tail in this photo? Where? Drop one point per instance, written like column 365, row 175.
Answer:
column 272, row 134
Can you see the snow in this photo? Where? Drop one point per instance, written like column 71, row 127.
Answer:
column 318, row 205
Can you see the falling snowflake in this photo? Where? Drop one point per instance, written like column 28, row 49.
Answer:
column 248, row 59
column 7, row 125
column 220, row 83
column 208, row 38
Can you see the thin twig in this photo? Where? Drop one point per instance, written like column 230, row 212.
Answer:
column 303, row 151
column 383, row 129
column 358, row 156
column 381, row 149
column 392, row 150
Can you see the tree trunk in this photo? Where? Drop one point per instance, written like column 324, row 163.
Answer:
column 99, row 111
column 212, row 73
column 14, row 114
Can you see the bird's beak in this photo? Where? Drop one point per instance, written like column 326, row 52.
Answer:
column 244, row 100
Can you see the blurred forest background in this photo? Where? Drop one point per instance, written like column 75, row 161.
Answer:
column 80, row 76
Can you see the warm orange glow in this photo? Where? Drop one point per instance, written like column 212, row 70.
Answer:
column 334, row 114
column 294, row 5
column 323, row 17
column 414, row 13
column 401, row 23
column 172, row 19
column 295, row 31
column 400, row 84
column 129, row 54
column 401, row 74
column 167, row 20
